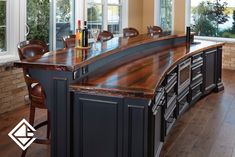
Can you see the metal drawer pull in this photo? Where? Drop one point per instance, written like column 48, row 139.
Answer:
column 197, row 66
column 172, row 120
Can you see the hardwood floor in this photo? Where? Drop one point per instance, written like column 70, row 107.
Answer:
column 206, row 130
column 8, row 121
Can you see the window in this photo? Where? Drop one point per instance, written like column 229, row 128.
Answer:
column 64, row 20
column 215, row 18
column 105, row 15
column 40, row 18
column 166, row 14
column 3, row 23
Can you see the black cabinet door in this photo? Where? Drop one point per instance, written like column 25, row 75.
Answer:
column 135, row 128
column 158, row 132
column 210, row 70
column 97, row 126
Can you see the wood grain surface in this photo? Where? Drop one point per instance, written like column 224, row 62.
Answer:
column 141, row 77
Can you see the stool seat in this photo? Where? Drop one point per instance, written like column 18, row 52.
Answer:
column 105, row 36
column 130, row 32
column 37, row 91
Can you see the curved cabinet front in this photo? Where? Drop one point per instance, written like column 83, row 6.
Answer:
column 119, row 126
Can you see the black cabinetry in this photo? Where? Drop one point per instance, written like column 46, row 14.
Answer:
column 209, row 75
column 109, row 126
column 183, row 101
column 171, row 101
column 134, row 127
column 97, row 126
column 158, row 132
column 196, row 87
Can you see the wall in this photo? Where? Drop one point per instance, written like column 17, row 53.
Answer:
column 229, row 56
column 148, row 14
column 12, row 88
column 141, row 14
column 135, row 14
column 179, row 15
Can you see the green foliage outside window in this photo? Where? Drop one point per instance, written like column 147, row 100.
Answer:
column 209, row 16
column 63, row 10
column 166, row 15
column 2, row 26
column 94, row 13
column 233, row 27
column 38, row 16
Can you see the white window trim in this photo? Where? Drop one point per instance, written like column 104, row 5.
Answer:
column 217, row 39
column 15, row 29
column 157, row 13
column 81, row 12
column 4, row 53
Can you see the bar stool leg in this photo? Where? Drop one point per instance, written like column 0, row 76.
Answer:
column 31, row 115
column 48, row 124
column 31, row 122
column 24, row 153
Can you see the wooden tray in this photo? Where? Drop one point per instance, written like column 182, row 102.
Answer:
column 82, row 48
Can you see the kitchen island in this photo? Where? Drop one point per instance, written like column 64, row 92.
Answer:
column 123, row 99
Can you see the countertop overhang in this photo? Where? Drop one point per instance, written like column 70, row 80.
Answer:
column 141, row 77
column 71, row 59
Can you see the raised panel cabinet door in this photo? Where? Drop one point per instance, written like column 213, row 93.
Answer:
column 135, row 128
column 209, row 71
column 97, row 123
column 158, row 132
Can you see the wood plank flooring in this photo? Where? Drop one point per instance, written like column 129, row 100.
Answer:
column 206, row 130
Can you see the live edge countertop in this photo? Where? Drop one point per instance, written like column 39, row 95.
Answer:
column 141, row 77
column 71, row 60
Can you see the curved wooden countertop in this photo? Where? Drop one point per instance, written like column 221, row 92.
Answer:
column 141, row 77
column 71, row 60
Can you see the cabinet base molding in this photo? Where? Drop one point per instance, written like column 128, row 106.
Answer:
column 219, row 87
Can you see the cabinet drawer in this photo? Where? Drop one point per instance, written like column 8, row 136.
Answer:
column 197, row 58
column 171, row 92
column 159, row 99
column 196, row 91
column 183, row 101
column 171, row 78
column 169, row 121
column 171, row 98
column 170, row 108
column 171, row 86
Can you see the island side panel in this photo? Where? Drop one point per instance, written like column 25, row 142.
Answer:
column 56, row 84
column 136, row 127
column 97, row 126
column 109, row 126
column 219, row 84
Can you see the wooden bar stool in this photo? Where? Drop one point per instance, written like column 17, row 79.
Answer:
column 105, row 36
column 69, row 41
column 130, row 32
column 154, row 30
column 30, row 50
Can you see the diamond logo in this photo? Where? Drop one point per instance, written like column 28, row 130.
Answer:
column 23, row 134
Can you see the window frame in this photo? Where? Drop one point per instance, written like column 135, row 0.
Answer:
column 104, row 4
column 4, row 53
column 157, row 13
column 15, row 29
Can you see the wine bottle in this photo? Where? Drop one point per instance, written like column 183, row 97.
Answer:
column 78, row 41
column 188, row 34
column 85, row 35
